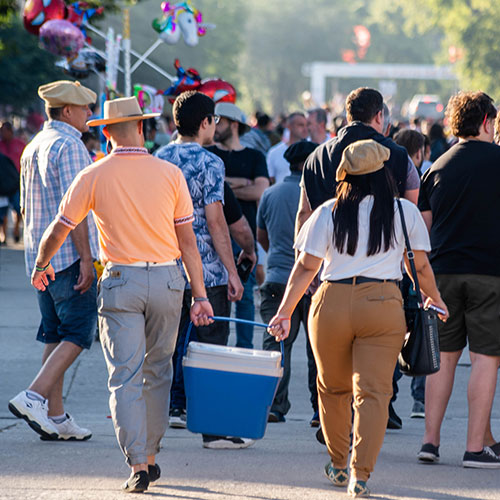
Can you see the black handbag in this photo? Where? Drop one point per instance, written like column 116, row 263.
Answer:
column 420, row 352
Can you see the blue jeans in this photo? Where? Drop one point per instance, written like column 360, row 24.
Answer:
column 418, row 388
column 216, row 333
column 68, row 315
column 245, row 309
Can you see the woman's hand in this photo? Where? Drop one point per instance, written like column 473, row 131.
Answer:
column 438, row 303
column 279, row 327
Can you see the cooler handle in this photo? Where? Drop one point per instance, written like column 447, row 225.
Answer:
column 235, row 320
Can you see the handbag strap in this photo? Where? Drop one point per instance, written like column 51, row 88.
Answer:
column 410, row 254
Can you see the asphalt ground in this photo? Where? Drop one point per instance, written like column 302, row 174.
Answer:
column 286, row 464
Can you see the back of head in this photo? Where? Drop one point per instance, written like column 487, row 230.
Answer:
column 263, row 120
column 363, row 104
column 411, row 140
column 189, row 110
column 467, row 111
column 436, row 132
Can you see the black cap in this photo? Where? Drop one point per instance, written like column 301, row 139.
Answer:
column 299, row 151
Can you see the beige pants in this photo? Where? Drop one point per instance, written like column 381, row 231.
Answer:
column 356, row 333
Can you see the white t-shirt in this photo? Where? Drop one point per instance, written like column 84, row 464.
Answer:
column 315, row 238
column 277, row 166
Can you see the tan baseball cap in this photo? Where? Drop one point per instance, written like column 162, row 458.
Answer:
column 64, row 92
column 362, row 157
column 124, row 109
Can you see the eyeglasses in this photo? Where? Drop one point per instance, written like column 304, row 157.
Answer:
column 215, row 117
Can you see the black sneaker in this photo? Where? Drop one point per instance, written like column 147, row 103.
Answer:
column 226, row 442
column 320, row 437
column 177, row 418
column 136, row 483
column 429, row 453
column 394, row 422
column 154, row 473
column 486, row 459
column 495, row 448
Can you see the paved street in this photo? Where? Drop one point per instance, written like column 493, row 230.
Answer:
column 286, row 464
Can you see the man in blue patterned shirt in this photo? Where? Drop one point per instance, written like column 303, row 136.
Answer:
column 68, row 307
column 194, row 117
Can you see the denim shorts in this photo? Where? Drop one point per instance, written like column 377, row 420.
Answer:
column 68, row 315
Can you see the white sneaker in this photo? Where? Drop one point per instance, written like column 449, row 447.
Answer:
column 226, row 443
column 35, row 413
column 69, row 430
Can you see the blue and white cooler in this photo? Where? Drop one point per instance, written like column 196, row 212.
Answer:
column 230, row 390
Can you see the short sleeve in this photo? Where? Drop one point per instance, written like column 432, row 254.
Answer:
column 213, row 185
column 183, row 212
column 232, row 209
column 76, row 202
column 261, row 213
column 73, row 158
column 412, row 177
column 417, row 230
column 260, row 166
column 424, row 203
column 315, row 236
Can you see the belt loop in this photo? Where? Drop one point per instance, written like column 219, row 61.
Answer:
column 354, row 280
column 147, row 266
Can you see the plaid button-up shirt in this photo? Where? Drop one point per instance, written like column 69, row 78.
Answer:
column 49, row 164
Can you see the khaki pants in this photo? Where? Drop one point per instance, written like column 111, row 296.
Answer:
column 139, row 311
column 356, row 334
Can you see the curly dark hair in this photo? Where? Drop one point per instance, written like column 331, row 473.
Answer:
column 467, row 111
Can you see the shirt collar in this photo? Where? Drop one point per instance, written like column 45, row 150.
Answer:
column 62, row 127
column 125, row 150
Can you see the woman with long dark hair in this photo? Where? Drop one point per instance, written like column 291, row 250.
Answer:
column 356, row 320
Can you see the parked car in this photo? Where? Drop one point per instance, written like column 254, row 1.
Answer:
column 426, row 107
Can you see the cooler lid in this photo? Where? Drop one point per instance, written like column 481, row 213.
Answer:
column 235, row 359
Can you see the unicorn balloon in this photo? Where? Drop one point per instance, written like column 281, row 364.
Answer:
column 181, row 18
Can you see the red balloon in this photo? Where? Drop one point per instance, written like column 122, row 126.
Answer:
column 37, row 12
column 219, row 90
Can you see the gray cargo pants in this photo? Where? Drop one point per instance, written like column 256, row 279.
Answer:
column 139, row 310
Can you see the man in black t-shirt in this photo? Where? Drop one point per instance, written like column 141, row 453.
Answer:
column 246, row 173
column 460, row 203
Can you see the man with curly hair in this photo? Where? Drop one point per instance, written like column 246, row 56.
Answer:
column 460, row 201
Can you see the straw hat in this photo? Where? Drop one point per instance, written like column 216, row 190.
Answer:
column 362, row 157
column 63, row 92
column 125, row 109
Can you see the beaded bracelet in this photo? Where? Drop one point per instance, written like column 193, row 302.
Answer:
column 41, row 269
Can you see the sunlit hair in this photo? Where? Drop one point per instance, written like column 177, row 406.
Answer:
column 467, row 111
column 350, row 192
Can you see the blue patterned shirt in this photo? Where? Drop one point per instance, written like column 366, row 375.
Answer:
column 49, row 164
column 204, row 173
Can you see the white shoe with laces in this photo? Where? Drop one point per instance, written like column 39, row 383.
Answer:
column 35, row 413
column 69, row 430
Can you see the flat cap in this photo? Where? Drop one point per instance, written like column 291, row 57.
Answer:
column 299, row 151
column 362, row 157
column 63, row 92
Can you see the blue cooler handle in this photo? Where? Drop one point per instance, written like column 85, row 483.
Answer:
column 235, row 320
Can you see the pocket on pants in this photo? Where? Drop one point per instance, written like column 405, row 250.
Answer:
column 111, row 293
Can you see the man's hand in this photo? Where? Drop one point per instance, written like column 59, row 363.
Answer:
column 40, row 279
column 245, row 255
column 86, row 277
column 279, row 327
column 234, row 288
column 201, row 312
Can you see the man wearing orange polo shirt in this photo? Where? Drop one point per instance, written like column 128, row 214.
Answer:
column 143, row 212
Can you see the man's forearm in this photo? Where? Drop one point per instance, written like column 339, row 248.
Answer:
column 222, row 243
column 253, row 191
column 191, row 259
column 242, row 235
column 80, row 238
column 51, row 241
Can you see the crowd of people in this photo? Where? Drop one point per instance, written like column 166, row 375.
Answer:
column 313, row 217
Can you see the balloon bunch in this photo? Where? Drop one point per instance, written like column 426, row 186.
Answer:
column 181, row 18
column 60, row 28
column 150, row 99
column 219, row 90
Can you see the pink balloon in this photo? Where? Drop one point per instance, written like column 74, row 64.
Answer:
column 61, row 38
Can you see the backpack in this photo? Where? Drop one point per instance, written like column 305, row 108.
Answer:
column 9, row 177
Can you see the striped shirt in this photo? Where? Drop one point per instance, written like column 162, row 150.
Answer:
column 49, row 164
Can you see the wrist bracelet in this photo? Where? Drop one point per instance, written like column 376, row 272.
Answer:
column 199, row 299
column 42, row 269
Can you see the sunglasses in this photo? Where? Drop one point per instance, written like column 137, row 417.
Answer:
column 215, row 117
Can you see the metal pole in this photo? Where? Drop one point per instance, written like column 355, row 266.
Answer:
column 126, row 52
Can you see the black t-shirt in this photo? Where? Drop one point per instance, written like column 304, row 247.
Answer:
column 249, row 164
column 232, row 209
column 318, row 177
column 462, row 189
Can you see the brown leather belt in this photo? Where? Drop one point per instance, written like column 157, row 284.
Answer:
column 358, row 280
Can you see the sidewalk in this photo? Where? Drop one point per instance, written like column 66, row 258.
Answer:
column 286, row 464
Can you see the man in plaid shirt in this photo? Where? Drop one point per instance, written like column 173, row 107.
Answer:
column 49, row 164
